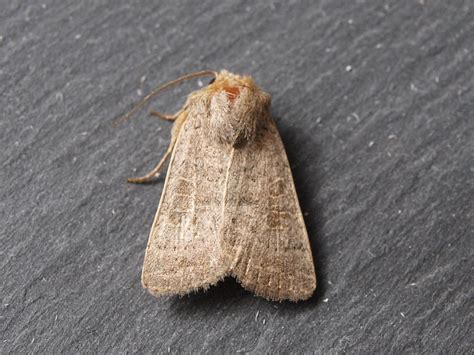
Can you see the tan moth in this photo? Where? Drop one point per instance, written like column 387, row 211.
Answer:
column 229, row 205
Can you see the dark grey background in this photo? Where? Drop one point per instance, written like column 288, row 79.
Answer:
column 374, row 102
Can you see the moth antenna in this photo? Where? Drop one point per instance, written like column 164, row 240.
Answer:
column 159, row 89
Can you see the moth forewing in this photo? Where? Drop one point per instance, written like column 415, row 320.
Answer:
column 183, row 252
column 229, row 206
column 264, row 234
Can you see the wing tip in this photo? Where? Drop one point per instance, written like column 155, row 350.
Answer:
column 298, row 294
column 167, row 289
column 304, row 292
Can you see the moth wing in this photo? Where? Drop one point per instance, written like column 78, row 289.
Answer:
column 264, row 236
column 183, row 252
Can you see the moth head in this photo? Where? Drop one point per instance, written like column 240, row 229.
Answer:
column 237, row 106
column 233, row 104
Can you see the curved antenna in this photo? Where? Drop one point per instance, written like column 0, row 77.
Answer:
column 155, row 92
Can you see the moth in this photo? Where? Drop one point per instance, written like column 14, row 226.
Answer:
column 229, row 205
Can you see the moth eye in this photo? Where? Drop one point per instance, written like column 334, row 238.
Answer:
column 212, row 81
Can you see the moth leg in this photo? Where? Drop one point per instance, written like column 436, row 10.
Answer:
column 148, row 177
column 180, row 119
column 165, row 116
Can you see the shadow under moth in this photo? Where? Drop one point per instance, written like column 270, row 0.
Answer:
column 229, row 205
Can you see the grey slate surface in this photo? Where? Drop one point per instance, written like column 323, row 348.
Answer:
column 374, row 102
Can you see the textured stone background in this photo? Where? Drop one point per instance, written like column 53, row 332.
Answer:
column 374, row 102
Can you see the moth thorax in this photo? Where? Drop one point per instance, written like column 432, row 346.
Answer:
column 234, row 119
